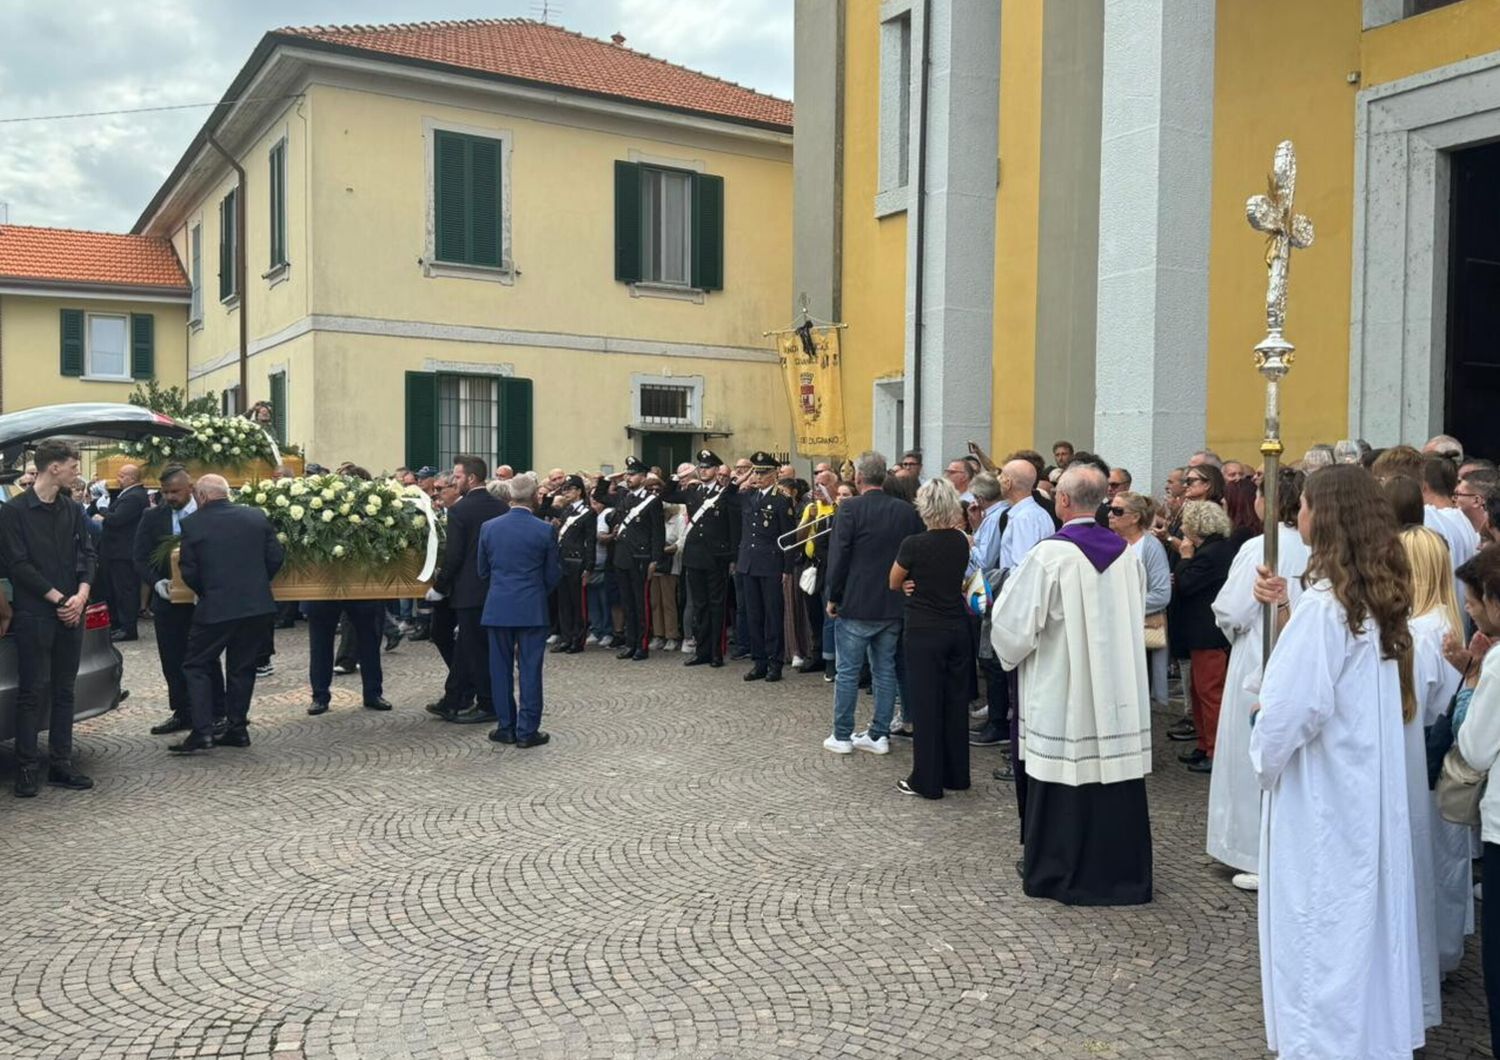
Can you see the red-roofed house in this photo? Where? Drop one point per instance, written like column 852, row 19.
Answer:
column 84, row 315
column 490, row 236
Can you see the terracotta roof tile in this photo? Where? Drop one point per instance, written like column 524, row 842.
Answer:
column 546, row 54
column 64, row 255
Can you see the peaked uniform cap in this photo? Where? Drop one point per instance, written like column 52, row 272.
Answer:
column 708, row 458
column 761, row 460
column 634, row 465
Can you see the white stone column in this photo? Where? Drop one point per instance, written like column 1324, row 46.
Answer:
column 958, row 221
column 1155, row 186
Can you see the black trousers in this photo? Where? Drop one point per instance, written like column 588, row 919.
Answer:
column 47, row 654
column 241, row 642
column 364, row 617
column 765, row 609
column 813, row 604
column 173, row 624
column 472, row 653
column 937, row 684
column 633, row 582
column 124, row 595
column 996, row 694
column 443, row 627
column 1489, row 926
column 572, row 607
column 707, row 590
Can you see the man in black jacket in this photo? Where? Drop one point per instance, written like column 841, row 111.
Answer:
column 708, row 548
column 50, row 560
column 228, row 556
column 173, row 622
column 765, row 517
column 640, row 531
column 120, row 518
column 459, row 583
column 576, row 543
column 866, row 537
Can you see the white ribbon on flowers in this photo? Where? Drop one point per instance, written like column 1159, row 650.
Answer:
column 275, row 450
column 424, row 504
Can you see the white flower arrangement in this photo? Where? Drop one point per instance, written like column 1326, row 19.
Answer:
column 363, row 527
column 219, row 441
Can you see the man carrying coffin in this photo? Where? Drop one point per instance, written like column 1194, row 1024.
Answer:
column 1072, row 617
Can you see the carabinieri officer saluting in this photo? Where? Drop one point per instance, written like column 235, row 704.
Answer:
column 640, row 531
column 766, row 515
column 709, row 546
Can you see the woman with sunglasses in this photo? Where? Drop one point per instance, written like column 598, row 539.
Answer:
column 1130, row 516
column 1206, row 557
column 1233, row 791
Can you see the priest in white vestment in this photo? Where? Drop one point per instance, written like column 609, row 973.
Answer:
column 1340, row 973
column 1072, row 618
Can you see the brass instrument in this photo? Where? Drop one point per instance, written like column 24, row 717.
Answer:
column 820, row 526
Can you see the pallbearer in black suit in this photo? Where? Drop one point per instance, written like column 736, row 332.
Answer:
column 576, row 542
column 640, row 532
column 458, row 580
column 766, row 515
column 158, row 526
column 120, row 519
column 709, row 546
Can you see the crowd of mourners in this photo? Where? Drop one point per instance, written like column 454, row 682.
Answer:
column 1039, row 607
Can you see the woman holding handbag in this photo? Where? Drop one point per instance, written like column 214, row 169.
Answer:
column 1131, row 516
column 1478, row 740
column 1233, row 792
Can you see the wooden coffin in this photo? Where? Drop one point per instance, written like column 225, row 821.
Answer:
column 108, row 468
column 332, row 581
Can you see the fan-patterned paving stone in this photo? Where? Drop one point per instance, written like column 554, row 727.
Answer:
column 682, row 873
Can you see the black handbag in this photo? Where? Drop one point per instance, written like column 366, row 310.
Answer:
column 1439, row 736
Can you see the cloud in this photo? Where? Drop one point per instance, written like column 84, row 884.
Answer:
column 70, row 56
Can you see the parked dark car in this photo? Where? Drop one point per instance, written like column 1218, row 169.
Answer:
column 101, row 666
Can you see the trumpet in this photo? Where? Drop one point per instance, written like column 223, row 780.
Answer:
column 809, row 531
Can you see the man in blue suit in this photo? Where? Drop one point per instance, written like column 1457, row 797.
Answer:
column 519, row 557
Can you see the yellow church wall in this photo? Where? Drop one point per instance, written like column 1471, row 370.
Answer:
column 874, row 249
column 1290, row 84
column 1423, row 42
column 1013, row 416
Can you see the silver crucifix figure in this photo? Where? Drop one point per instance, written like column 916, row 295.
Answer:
column 1285, row 231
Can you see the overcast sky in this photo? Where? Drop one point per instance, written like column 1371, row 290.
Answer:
column 66, row 56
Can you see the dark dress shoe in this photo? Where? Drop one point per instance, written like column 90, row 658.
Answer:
column 1188, row 758
column 695, row 661
column 989, row 736
column 536, row 739
column 717, row 664
column 26, row 784
column 221, row 726
column 559, row 648
column 393, row 640
column 756, row 674
column 317, row 708
column 437, row 707
column 66, row 778
column 641, row 655
column 176, row 723
column 120, row 635
column 377, row 704
column 233, row 738
column 813, row 666
column 773, row 675
column 625, row 653
column 573, row 649
column 1203, row 765
column 1004, row 773
column 503, row 735
column 475, row 715
column 191, row 745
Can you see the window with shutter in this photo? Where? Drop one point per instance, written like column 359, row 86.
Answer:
column 708, row 232
column 468, row 199
column 515, row 423
column 278, row 406
column 421, row 419
column 669, row 227
column 108, row 347
column 627, row 222
column 277, row 185
column 228, row 237
column 142, row 345
column 71, row 329
column 195, row 255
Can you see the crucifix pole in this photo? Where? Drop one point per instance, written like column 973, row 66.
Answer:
column 1285, row 231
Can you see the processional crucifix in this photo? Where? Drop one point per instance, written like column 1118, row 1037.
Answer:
column 1286, row 231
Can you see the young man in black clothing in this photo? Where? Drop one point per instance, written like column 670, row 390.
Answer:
column 51, row 560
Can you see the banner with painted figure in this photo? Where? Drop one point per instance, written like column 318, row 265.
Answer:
column 810, row 367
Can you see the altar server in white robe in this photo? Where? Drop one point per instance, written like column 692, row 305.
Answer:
column 1340, row 974
column 1233, row 791
column 1072, row 618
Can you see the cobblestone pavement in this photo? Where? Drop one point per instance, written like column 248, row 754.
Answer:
column 682, row 872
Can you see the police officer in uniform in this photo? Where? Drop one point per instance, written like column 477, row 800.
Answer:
column 575, row 539
column 765, row 516
column 709, row 547
column 640, row 530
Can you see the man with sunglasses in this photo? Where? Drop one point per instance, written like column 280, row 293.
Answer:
column 911, row 464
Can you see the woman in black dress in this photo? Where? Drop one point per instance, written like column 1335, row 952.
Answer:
column 929, row 568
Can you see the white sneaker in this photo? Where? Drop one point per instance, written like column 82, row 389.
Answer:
column 656, row 643
column 863, row 741
column 553, row 639
column 670, row 645
column 689, row 646
column 593, row 638
column 797, row 661
column 266, row 670
column 1246, row 881
column 837, row 746
column 980, row 711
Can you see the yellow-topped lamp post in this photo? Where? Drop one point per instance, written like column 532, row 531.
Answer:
column 1286, row 231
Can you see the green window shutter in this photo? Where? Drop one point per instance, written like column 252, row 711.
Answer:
column 708, row 232
column 278, row 204
column 515, row 423
column 142, row 345
column 72, row 342
column 484, row 201
column 421, row 419
column 227, row 236
column 450, row 195
column 278, row 406
column 627, row 222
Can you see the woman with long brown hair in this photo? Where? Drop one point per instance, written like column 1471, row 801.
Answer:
column 1338, row 938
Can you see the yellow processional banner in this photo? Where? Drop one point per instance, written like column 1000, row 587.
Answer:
column 810, row 368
